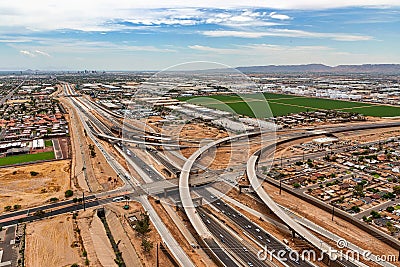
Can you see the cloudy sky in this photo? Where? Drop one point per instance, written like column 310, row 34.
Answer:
column 153, row 35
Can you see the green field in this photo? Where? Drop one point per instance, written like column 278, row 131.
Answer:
column 254, row 105
column 26, row 158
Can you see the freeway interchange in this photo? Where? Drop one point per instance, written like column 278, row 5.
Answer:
column 227, row 248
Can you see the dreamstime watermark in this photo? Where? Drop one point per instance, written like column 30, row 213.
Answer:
column 332, row 254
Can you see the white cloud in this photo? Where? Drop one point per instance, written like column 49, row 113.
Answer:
column 101, row 15
column 27, row 53
column 259, row 49
column 267, row 54
column 42, row 53
column 214, row 50
column 15, row 40
column 275, row 15
column 287, row 33
column 34, row 53
column 62, row 46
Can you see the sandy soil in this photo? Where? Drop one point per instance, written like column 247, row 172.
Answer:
column 105, row 175
column 84, row 223
column 198, row 131
column 51, row 243
column 371, row 135
column 18, row 186
column 125, row 245
column 79, row 153
column 105, row 253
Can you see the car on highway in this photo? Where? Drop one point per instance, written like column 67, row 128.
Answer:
column 118, row 199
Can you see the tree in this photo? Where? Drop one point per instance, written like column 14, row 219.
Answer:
column 69, row 193
column 356, row 209
column 375, row 214
column 358, row 190
column 391, row 228
column 147, row 245
column 53, row 199
column 143, row 225
column 7, row 208
column 396, row 189
column 296, row 185
column 390, row 209
column 33, row 173
column 17, row 207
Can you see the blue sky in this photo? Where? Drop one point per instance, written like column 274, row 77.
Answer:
column 153, row 35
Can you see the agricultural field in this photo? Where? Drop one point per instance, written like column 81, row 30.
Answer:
column 255, row 105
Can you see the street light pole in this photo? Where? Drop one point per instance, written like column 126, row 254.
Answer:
column 83, row 200
column 158, row 264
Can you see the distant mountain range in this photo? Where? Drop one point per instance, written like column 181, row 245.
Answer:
column 321, row 68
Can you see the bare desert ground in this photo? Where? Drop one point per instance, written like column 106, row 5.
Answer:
column 21, row 187
column 51, row 243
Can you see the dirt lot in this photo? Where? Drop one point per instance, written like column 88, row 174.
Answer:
column 198, row 131
column 50, row 243
column 19, row 186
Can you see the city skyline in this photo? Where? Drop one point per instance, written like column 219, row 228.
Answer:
column 135, row 36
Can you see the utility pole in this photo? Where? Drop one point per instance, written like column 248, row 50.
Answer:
column 157, row 257
column 280, row 187
column 83, row 200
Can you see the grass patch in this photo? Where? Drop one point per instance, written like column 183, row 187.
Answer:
column 377, row 111
column 319, row 103
column 48, row 143
column 26, row 158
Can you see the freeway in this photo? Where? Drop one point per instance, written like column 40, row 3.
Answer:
column 253, row 230
column 176, row 250
column 256, row 184
column 233, row 244
column 149, row 171
column 183, row 183
column 184, row 189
